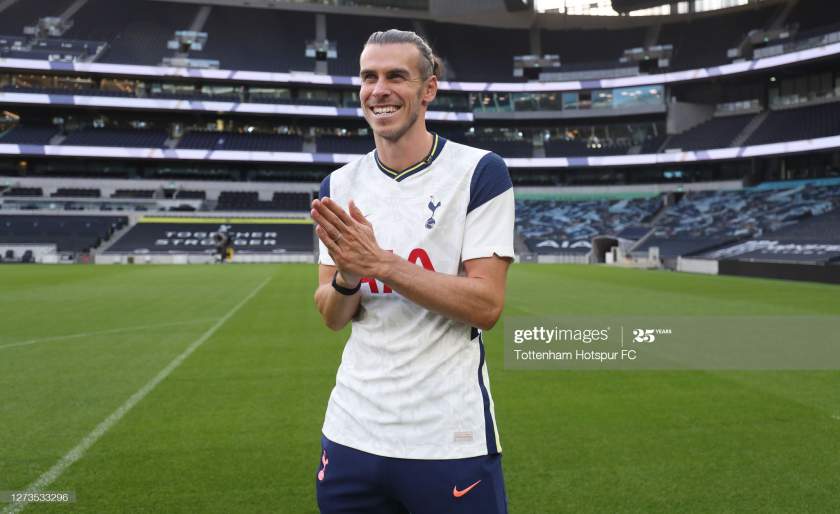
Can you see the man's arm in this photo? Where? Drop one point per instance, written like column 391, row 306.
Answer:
column 476, row 299
column 336, row 309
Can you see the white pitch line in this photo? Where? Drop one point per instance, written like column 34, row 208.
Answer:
column 89, row 440
column 101, row 332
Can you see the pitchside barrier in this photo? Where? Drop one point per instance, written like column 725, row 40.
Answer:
column 826, row 273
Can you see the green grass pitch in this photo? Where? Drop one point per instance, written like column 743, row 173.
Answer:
column 236, row 427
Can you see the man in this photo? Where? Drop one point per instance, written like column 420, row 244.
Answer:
column 416, row 238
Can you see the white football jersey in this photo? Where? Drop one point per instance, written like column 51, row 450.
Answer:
column 413, row 384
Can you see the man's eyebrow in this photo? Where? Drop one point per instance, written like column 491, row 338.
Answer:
column 392, row 71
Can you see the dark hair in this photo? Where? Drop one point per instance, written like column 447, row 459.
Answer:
column 430, row 64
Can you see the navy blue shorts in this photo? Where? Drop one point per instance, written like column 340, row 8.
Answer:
column 351, row 481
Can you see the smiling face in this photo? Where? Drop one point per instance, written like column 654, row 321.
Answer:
column 394, row 94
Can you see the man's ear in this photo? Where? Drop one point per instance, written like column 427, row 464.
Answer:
column 431, row 90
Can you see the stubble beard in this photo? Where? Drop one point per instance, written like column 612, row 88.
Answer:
column 397, row 133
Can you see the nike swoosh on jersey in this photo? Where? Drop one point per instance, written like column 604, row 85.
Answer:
column 457, row 494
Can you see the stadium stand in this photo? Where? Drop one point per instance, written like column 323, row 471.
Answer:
column 10, row 43
column 21, row 14
column 134, row 193
column 502, row 147
column 270, row 98
column 186, row 237
column 68, row 233
column 560, row 226
column 249, row 201
column 25, row 135
column 799, row 123
column 291, row 201
column 811, row 16
column 704, row 220
column 350, row 36
column 317, row 102
column 24, row 191
column 814, row 240
column 573, row 148
column 195, row 95
column 185, row 194
column 488, row 55
column 745, row 212
column 344, row 144
column 652, row 143
column 137, row 31
column 672, row 247
column 251, row 39
column 116, row 137
column 714, row 133
column 241, row 201
column 64, row 91
column 65, row 192
column 236, row 141
column 247, row 38
column 275, row 40
column 694, row 45
column 452, row 133
column 590, row 48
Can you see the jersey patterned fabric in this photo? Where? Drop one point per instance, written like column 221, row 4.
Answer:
column 413, row 384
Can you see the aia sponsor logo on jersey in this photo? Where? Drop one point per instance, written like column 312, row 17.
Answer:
column 416, row 256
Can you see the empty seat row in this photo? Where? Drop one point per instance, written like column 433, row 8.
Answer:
column 65, row 192
column 69, row 233
column 24, row 191
column 246, row 142
column 249, row 201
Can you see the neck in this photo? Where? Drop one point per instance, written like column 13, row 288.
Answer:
column 411, row 148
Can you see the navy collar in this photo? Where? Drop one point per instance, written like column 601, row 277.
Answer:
column 437, row 147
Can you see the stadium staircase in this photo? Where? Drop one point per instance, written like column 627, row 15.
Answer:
column 72, row 9
column 664, row 144
column 116, row 236
column 200, row 19
column 751, row 127
column 652, row 35
column 782, row 18
column 669, row 200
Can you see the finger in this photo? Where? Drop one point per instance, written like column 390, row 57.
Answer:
column 357, row 214
column 322, row 222
column 329, row 215
column 338, row 211
column 325, row 238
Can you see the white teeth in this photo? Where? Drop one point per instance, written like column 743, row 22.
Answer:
column 388, row 109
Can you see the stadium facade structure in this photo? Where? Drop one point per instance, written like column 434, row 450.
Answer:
column 639, row 112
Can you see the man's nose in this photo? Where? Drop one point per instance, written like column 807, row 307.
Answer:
column 381, row 88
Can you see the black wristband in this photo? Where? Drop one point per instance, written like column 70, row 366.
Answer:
column 346, row 291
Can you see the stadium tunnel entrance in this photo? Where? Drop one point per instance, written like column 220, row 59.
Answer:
column 601, row 246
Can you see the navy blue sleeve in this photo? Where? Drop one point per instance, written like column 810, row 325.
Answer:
column 325, row 187
column 490, row 179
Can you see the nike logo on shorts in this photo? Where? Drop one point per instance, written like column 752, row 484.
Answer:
column 457, row 494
